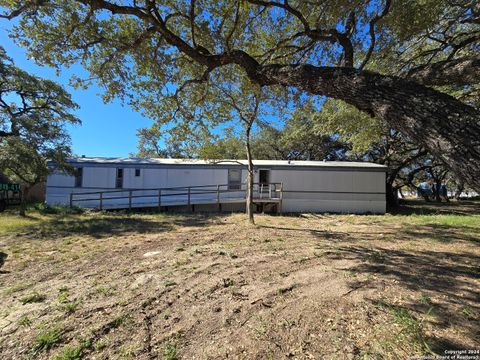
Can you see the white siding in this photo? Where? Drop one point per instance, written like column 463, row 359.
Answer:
column 60, row 179
column 306, row 190
column 99, row 177
column 332, row 191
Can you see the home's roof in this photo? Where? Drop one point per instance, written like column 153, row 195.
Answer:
column 226, row 162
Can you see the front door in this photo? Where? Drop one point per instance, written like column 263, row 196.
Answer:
column 264, row 176
column 263, row 180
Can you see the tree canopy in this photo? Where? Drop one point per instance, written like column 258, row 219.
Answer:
column 412, row 64
column 30, row 105
column 33, row 115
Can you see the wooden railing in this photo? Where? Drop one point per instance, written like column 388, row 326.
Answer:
column 182, row 195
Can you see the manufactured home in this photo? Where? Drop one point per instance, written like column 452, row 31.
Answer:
column 203, row 185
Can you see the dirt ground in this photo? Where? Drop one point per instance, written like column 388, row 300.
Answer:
column 192, row 286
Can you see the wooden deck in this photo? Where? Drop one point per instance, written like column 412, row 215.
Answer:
column 271, row 193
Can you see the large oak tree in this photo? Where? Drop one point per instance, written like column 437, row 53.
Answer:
column 400, row 61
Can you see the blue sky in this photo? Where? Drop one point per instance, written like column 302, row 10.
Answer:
column 106, row 130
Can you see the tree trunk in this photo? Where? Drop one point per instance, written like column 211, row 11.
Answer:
column 391, row 196
column 438, row 191
column 249, row 194
column 459, row 190
column 446, row 127
column 23, row 200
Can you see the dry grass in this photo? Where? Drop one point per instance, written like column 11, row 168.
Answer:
column 116, row 285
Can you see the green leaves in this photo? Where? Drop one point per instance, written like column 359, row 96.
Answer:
column 33, row 114
column 352, row 126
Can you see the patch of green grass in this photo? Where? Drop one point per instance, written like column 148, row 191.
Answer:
column 411, row 328
column 127, row 351
column 449, row 220
column 289, row 323
column 12, row 224
column 350, row 273
column 32, row 298
column 104, row 290
column 467, row 312
column 63, row 294
column 101, row 344
column 47, row 221
column 70, row 353
column 47, row 339
column 70, row 307
column 376, row 257
column 169, row 351
column 24, row 321
column 17, row 287
column 64, row 302
column 425, row 299
column 120, row 320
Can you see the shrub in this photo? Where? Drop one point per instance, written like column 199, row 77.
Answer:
column 46, row 209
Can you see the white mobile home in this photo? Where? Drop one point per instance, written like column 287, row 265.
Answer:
column 288, row 186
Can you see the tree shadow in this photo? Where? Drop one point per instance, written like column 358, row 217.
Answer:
column 112, row 224
column 450, row 278
column 421, row 207
column 442, row 233
column 323, row 234
column 410, row 318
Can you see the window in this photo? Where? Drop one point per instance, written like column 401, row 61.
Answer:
column 137, row 172
column 78, row 177
column 234, row 179
column 119, row 179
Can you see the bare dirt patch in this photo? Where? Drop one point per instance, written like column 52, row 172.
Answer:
column 212, row 287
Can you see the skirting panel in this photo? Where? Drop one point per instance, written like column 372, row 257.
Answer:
column 334, row 206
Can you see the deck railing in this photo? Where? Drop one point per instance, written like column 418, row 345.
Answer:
column 181, row 195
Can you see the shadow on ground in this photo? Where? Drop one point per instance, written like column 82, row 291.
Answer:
column 441, row 232
column 420, row 232
column 449, row 279
column 100, row 225
column 421, row 207
column 323, row 234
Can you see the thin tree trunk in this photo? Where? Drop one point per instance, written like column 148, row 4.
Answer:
column 23, row 200
column 249, row 195
column 459, row 190
column 438, row 187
